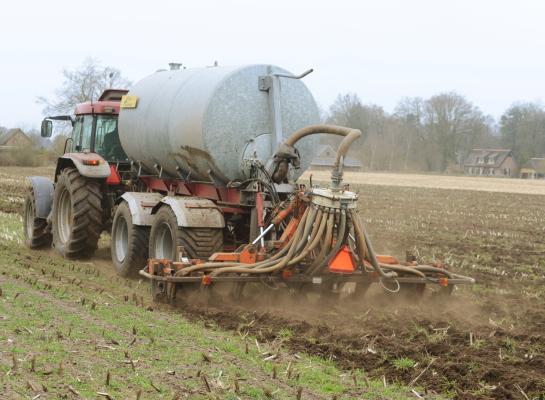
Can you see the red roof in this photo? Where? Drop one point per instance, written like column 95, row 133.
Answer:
column 98, row 107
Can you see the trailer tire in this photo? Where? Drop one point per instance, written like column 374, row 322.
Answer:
column 166, row 236
column 35, row 229
column 130, row 243
column 76, row 215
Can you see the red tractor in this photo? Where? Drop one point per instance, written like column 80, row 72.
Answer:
column 72, row 211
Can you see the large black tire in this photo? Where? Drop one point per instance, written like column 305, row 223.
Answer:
column 77, row 214
column 129, row 244
column 166, row 236
column 35, row 229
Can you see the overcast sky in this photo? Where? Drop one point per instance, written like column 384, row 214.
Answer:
column 490, row 51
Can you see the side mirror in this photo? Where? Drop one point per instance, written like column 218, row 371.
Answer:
column 47, row 128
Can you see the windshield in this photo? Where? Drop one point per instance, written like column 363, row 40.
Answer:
column 107, row 142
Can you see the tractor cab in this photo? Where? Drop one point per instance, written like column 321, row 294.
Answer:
column 94, row 127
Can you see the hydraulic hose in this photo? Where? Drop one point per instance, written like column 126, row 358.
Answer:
column 429, row 268
column 279, row 264
column 219, row 265
column 341, row 230
column 326, row 244
column 364, row 243
column 303, row 248
column 403, row 269
column 313, row 242
column 302, row 253
column 350, row 135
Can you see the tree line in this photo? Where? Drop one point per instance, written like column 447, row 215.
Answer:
column 436, row 134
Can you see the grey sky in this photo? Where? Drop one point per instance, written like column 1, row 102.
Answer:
column 490, row 51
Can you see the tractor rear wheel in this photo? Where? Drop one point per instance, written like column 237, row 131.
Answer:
column 129, row 244
column 166, row 236
column 77, row 214
column 35, row 229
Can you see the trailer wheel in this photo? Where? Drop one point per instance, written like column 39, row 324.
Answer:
column 77, row 214
column 35, row 229
column 166, row 236
column 130, row 243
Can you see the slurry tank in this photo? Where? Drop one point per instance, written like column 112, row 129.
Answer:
column 205, row 124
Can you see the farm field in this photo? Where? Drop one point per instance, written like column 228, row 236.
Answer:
column 487, row 184
column 78, row 321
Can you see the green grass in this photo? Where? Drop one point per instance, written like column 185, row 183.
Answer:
column 404, row 363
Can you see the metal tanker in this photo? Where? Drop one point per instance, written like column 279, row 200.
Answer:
column 204, row 124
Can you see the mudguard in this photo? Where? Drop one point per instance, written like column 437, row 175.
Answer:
column 141, row 206
column 194, row 212
column 43, row 195
column 90, row 165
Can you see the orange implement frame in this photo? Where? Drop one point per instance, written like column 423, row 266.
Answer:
column 248, row 255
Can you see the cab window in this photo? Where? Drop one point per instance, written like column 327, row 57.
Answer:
column 107, row 142
column 76, row 135
column 86, row 133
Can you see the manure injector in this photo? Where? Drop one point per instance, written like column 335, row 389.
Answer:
column 314, row 238
column 194, row 173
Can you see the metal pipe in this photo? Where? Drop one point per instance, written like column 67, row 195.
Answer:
column 308, row 71
column 262, row 234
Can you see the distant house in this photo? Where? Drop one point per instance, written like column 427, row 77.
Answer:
column 533, row 169
column 326, row 159
column 490, row 162
column 14, row 138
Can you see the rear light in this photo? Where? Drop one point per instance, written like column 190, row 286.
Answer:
column 443, row 282
column 206, row 280
column 91, row 162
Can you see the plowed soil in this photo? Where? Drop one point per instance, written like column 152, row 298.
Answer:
column 470, row 352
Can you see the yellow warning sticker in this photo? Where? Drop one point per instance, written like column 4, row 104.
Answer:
column 129, row 101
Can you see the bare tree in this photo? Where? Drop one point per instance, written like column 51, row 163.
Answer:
column 452, row 123
column 347, row 110
column 85, row 83
column 433, row 134
column 522, row 129
column 410, row 113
